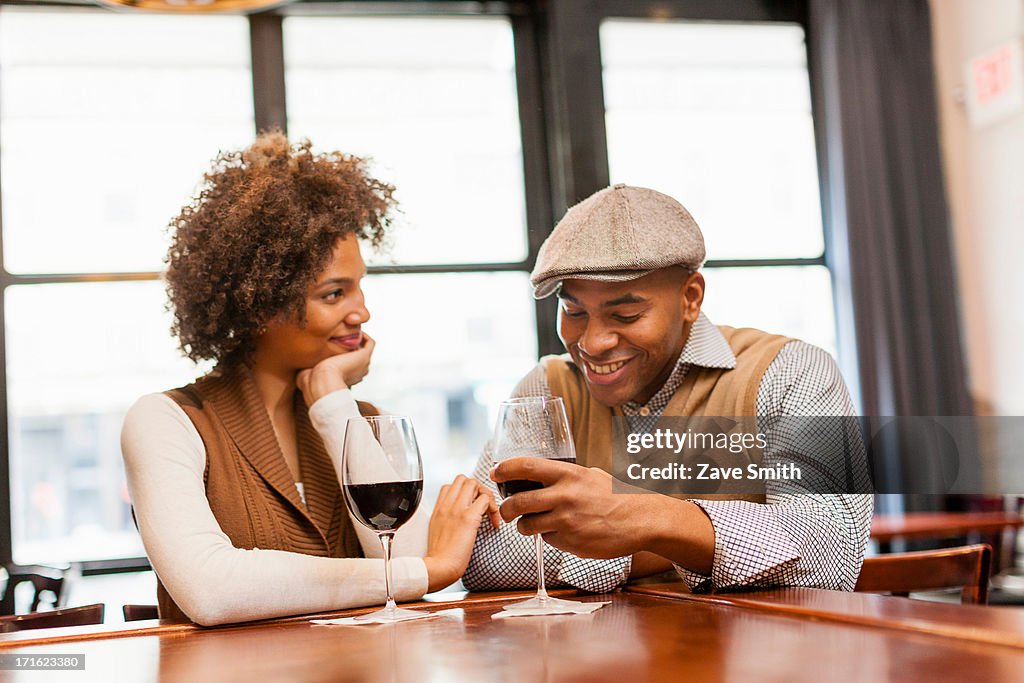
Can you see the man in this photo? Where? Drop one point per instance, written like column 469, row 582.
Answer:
column 624, row 264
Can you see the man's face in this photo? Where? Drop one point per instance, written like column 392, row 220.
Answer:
column 627, row 336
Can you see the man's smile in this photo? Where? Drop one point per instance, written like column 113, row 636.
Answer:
column 606, row 372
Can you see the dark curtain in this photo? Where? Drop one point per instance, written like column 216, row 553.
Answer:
column 885, row 209
column 886, row 219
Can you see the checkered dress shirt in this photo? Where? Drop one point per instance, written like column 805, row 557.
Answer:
column 795, row 538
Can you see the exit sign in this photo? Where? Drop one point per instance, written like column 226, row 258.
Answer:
column 994, row 84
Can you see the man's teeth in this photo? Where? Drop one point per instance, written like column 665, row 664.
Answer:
column 605, row 369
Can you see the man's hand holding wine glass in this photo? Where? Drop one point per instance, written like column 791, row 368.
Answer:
column 577, row 512
column 574, row 511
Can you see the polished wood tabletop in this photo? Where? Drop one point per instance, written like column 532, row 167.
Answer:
column 967, row 623
column 648, row 633
column 885, row 528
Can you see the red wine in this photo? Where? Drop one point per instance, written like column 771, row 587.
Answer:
column 386, row 505
column 514, row 486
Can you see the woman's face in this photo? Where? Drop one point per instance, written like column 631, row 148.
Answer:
column 335, row 311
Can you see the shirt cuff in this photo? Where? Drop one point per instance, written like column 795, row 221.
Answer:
column 329, row 416
column 750, row 546
column 596, row 576
column 335, row 406
column 697, row 583
column 410, row 577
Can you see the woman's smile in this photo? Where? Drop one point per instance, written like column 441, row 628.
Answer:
column 349, row 341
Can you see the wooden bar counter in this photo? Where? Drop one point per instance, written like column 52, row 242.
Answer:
column 887, row 528
column 648, row 633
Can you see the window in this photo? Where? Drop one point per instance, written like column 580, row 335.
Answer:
column 450, row 348
column 443, row 127
column 90, row 179
column 719, row 116
column 108, row 120
column 86, row 326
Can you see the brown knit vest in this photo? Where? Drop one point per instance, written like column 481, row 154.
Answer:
column 714, row 392
column 249, row 486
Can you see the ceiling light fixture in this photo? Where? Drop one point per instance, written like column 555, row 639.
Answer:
column 196, row 6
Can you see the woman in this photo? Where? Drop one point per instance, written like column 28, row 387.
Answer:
column 234, row 478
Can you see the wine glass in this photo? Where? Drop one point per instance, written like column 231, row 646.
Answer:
column 382, row 477
column 534, row 427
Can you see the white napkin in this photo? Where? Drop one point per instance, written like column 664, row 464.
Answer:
column 454, row 613
column 575, row 608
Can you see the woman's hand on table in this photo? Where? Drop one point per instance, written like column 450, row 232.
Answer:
column 453, row 527
column 335, row 373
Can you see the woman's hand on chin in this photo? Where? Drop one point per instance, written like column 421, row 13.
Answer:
column 453, row 527
column 337, row 372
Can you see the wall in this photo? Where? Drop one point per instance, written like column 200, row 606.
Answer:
column 984, row 169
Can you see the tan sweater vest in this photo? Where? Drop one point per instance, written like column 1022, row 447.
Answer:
column 713, row 392
column 248, row 484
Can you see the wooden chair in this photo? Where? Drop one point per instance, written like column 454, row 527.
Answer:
column 140, row 612
column 72, row 616
column 43, row 578
column 966, row 567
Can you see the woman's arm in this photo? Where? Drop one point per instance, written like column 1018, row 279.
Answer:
column 212, row 581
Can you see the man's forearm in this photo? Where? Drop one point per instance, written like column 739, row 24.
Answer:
column 794, row 540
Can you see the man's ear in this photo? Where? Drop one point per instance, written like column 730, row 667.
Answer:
column 692, row 296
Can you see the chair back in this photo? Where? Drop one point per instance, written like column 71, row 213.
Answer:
column 71, row 616
column 140, row 612
column 967, row 568
column 42, row 577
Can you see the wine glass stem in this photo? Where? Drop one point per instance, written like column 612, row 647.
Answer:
column 542, row 593
column 385, row 541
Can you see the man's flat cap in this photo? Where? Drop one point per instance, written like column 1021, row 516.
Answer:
column 616, row 234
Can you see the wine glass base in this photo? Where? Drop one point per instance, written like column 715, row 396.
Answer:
column 537, row 604
column 392, row 615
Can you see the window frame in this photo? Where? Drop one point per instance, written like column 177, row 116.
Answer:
column 269, row 109
column 559, row 84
